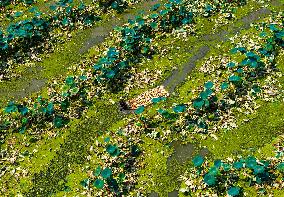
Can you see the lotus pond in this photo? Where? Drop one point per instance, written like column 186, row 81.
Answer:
column 142, row 98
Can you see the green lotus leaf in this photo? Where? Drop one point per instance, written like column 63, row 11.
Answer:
column 280, row 167
column 258, row 169
column 203, row 95
column 50, row 108
column 17, row 14
column 202, row 124
column 262, row 191
column 234, row 78
column 250, row 54
column 272, row 27
column 111, row 148
column 224, row 85
column 256, row 88
column 121, row 176
column 112, row 52
column 234, row 50
column 218, row 163
column 155, row 15
column 155, row 7
column 262, row 51
column 110, row 74
column 22, row 130
column 24, row 121
column 156, row 100
column 43, row 110
column 209, row 85
column 208, row 8
column 83, row 77
column 58, row 122
column 122, row 64
column 265, row 163
column 242, row 49
column 97, row 66
column 67, row 189
column 244, row 62
column 226, row 166
column 65, row 21
column 209, row 179
column 238, row 165
column 176, row 1
column 164, row 12
column 254, row 64
column 213, row 171
column 85, row 183
column 234, row 191
column 97, row 172
column 185, row 21
column 161, row 111
column 11, row 107
column 263, row 34
column 154, row 25
column 240, row 70
column 70, row 80
column 24, row 110
column 258, row 180
column 168, row 5
column 74, row 91
column 198, row 103
column 198, row 160
column 99, row 183
column 106, row 173
column 251, row 162
column 206, row 103
column 135, row 151
column 209, row 92
column 140, row 109
column 107, row 139
column 279, row 35
column 179, row 108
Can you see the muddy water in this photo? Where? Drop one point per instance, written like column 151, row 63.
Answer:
column 179, row 75
column 182, row 153
column 29, row 86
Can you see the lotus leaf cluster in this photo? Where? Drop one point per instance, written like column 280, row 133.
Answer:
column 227, row 177
column 114, row 171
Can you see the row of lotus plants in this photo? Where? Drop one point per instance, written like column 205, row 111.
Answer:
column 232, row 176
column 134, row 43
column 118, row 5
column 115, row 173
column 29, row 34
column 210, row 103
column 4, row 3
